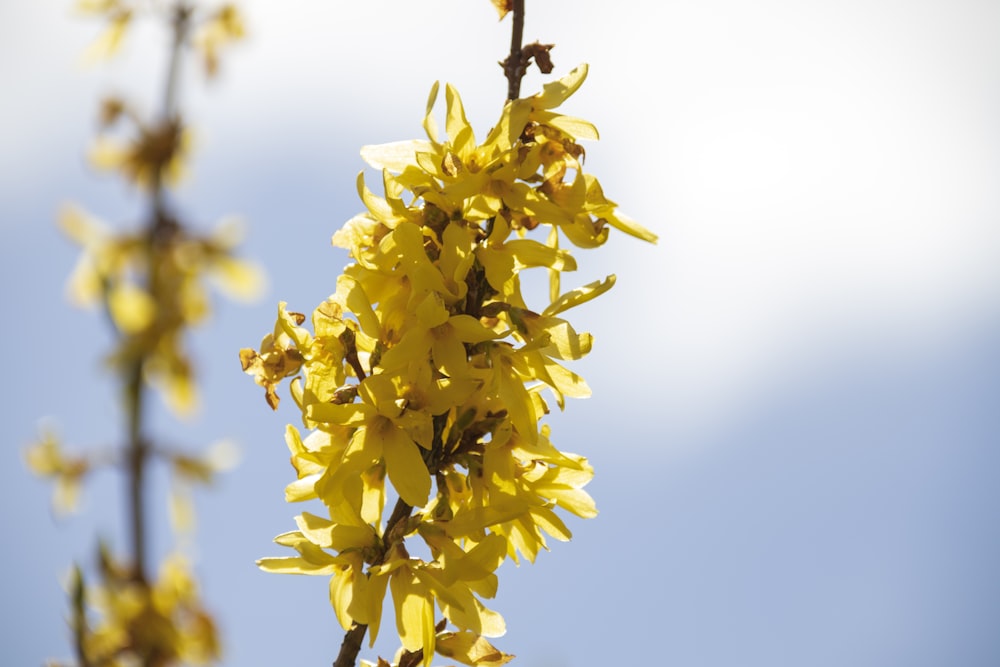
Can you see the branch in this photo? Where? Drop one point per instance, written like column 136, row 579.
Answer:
column 160, row 226
column 79, row 620
column 349, row 648
column 181, row 24
column 514, row 67
column 516, row 64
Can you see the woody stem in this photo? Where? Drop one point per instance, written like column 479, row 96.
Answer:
column 514, row 67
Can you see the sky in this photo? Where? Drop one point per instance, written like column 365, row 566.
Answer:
column 794, row 422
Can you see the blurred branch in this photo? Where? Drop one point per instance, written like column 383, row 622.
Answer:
column 159, row 226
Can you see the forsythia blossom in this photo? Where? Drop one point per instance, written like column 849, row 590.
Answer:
column 151, row 283
column 159, row 623
column 46, row 458
column 152, row 316
column 427, row 367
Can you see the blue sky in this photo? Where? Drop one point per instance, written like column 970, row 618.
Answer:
column 794, row 419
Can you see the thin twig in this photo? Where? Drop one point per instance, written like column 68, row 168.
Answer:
column 349, row 648
column 180, row 24
column 514, row 66
column 79, row 621
column 137, row 452
column 134, row 385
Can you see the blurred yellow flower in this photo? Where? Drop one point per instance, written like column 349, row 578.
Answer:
column 163, row 623
column 46, row 458
column 223, row 27
column 152, row 316
column 155, row 156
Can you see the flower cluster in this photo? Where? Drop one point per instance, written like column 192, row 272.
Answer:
column 427, row 367
column 216, row 29
column 153, row 288
column 162, row 623
column 47, row 458
column 151, row 281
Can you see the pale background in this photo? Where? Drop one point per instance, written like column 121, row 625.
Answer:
column 795, row 418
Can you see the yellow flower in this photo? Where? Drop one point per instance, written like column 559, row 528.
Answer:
column 46, row 459
column 154, row 291
column 119, row 16
column 162, row 623
column 222, row 28
column 427, row 367
column 278, row 358
column 155, row 156
column 388, row 428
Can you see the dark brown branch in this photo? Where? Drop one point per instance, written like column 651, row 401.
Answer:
column 160, row 227
column 181, row 25
column 349, row 648
column 136, row 459
column 411, row 659
column 514, row 66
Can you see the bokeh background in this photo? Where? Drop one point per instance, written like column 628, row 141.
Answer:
column 795, row 420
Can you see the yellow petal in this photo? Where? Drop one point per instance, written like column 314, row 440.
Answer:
column 395, row 156
column 470, row 648
column 347, row 414
column 109, row 42
column 82, row 227
column 239, row 279
column 580, row 295
column 294, row 565
column 330, row 535
column 548, row 521
column 342, row 596
column 574, row 127
column 555, row 93
column 351, row 294
column 631, row 227
column 528, row 253
column 429, row 125
column 405, row 467
column 573, row 500
column 470, row 330
column 96, row 6
column 414, row 612
column 483, row 559
column 106, row 154
column 457, row 126
column 431, row 311
column 131, row 307
column 222, row 455
column 181, row 510
column 515, row 398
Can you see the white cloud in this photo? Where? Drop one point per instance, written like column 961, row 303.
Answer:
column 809, row 167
